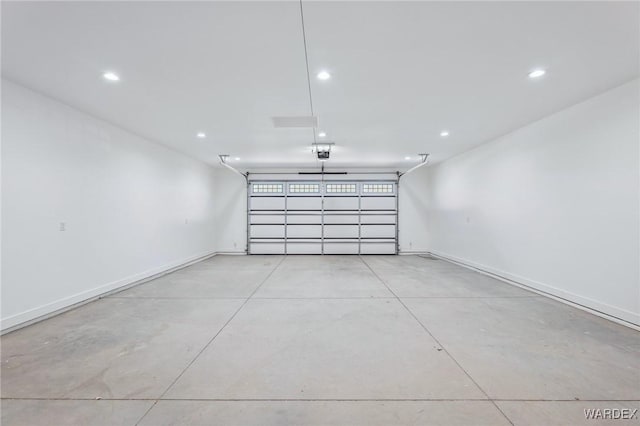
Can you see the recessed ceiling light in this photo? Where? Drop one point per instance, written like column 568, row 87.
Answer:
column 322, row 134
column 111, row 76
column 537, row 73
column 444, row 133
column 407, row 158
column 201, row 135
column 323, row 75
column 237, row 158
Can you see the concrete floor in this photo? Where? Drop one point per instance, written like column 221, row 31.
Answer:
column 333, row 340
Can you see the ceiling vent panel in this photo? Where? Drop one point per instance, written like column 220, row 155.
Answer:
column 301, row 121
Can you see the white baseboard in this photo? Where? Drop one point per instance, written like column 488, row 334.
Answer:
column 412, row 252
column 57, row 307
column 612, row 313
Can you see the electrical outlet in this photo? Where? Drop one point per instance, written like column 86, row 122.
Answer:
column 186, row 221
column 63, row 226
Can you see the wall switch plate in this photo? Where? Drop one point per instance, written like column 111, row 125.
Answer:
column 63, row 226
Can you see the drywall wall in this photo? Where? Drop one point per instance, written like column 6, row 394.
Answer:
column 231, row 212
column 88, row 207
column 412, row 205
column 553, row 205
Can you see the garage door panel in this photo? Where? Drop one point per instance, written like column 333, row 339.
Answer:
column 304, row 231
column 341, row 231
column 376, row 219
column 267, row 218
column 378, row 203
column 304, row 248
column 341, row 248
column 378, row 248
column 304, row 203
column 341, row 203
column 266, row 248
column 309, row 218
column 267, row 231
column 341, row 218
column 267, row 203
column 378, row 231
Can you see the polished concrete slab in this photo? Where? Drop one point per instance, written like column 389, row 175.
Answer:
column 329, row 276
column 325, row 413
column 414, row 276
column 236, row 276
column 535, row 348
column 112, row 348
column 324, row 349
column 319, row 340
column 24, row 412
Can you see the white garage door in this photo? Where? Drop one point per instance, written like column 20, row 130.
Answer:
column 322, row 217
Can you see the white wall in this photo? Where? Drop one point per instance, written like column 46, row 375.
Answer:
column 231, row 212
column 131, row 207
column 554, row 205
column 412, row 205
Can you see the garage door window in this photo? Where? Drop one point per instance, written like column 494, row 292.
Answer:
column 377, row 188
column 341, row 188
column 306, row 188
column 267, row 188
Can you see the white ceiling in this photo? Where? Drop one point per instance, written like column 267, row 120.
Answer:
column 401, row 72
